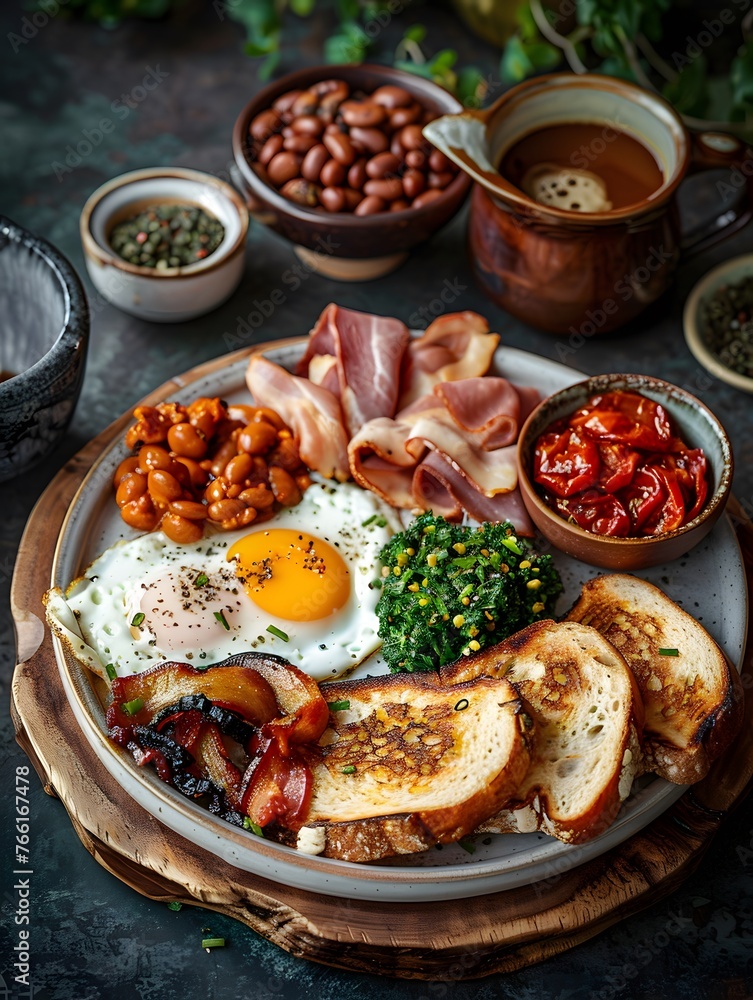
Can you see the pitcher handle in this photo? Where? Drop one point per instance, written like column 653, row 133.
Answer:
column 710, row 151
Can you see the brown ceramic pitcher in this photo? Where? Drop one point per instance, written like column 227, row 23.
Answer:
column 577, row 272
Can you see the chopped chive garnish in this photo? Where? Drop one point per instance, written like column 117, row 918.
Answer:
column 274, row 630
column 338, row 706
column 138, row 619
column 248, row 824
column 132, row 707
column 220, row 616
column 213, row 942
column 462, row 705
column 349, row 769
column 175, row 905
column 201, row 580
column 111, row 671
column 669, row 652
column 381, row 522
column 467, row 846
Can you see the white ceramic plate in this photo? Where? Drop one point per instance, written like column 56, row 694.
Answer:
column 709, row 582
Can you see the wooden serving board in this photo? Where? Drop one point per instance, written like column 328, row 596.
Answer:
column 471, row 938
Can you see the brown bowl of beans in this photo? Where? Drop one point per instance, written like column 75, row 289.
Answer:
column 334, row 159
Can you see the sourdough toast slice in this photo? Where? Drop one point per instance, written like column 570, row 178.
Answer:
column 691, row 696
column 587, row 716
column 408, row 762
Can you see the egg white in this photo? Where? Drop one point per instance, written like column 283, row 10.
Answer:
column 97, row 614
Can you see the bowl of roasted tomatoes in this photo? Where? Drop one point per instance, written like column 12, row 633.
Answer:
column 624, row 471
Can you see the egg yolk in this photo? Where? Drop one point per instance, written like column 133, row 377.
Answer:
column 291, row 575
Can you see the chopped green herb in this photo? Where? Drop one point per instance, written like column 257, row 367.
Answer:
column 338, row 706
column 449, row 590
column 201, row 580
column 669, row 652
column 111, row 671
column 138, row 618
column 274, row 630
column 349, row 769
column 467, row 846
column 220, row 616
column 132, row 707
column 248, row 824
column 377, row 519
column 174, row 905
column 213, row 942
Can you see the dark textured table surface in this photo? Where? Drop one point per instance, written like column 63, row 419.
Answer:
column 91, row 936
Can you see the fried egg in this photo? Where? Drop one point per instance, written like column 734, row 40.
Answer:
column 301, row 585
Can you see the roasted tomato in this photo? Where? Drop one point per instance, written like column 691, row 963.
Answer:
column 626, row 418
column 690, row 468
column 600, row 513
column 618, row 464
column 617, row 467
column 566, row 462
column 671, row 514
column 642, row 497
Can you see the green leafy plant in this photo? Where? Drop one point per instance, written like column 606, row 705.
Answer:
column 624, row 38
column 351, row 42
column 111, row 12
column 263, row 21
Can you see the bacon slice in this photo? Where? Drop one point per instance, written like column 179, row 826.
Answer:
column 455, row 346
column 368, row 351
column 312, row 412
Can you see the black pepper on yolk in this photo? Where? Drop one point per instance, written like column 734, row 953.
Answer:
column 291, row 574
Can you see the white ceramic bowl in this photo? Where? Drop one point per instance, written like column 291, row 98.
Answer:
column 730, row 272
column 175, row 293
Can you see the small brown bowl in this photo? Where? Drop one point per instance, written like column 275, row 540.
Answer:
column 340, row 244
column 698, row 427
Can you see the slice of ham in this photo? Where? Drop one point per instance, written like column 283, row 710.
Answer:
column 312, row 412
column 369, row 352
column 431, row 466
column 323, row 372
column 440, row 487
column 455, row 346
column 491, row 409
column 488, row 412
column 492, row 472
column 381, row 460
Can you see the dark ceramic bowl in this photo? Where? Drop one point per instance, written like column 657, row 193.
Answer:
column 698, row 427
column 43, row 343
column 345, row 245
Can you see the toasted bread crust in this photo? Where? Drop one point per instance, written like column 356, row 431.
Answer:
column 586, row 711
column 693, row 700
column 413, row 762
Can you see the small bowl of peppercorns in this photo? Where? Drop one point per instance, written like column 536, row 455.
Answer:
column 165, row 244
column 718, row 322
column 334, row 158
